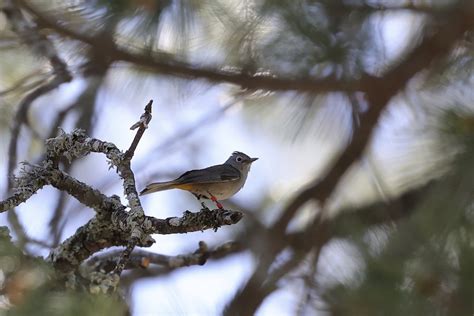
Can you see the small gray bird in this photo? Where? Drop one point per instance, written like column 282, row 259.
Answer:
column 218, row 182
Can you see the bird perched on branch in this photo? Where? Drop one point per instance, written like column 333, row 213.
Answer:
column 217, row 182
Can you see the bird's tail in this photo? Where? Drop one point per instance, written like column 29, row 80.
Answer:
column 158, row 186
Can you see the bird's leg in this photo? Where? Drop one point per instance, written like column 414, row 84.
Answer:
column 214, row 199
column 198, row 197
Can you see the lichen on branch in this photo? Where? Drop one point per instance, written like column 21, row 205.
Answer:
column 114, row 223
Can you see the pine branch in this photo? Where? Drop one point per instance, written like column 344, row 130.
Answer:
column 166, row 64
column 381, row 90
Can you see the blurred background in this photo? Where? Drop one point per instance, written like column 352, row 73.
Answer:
column 408, row 245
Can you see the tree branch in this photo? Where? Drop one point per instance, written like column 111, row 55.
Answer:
column 379, row 92
column 142, row 125
column 34, row 177
column 193, row 222
column 112, row 225
column 99, row 234
column 137, row 215
column 350, row 221
column 146, row 265
column 43, row 47
column 141, row 259
column 40, row 45
column 166, row 65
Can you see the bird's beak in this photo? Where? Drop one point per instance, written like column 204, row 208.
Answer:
column 253, row 159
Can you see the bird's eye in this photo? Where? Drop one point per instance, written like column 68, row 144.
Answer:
column 238, row 159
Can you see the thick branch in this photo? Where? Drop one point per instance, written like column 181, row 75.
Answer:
column 166, row 65
column 34, row 177
column 347, row 223
column 102, row 204
column 100, row 234
column 379, row 93
column 192, row 222
column 350, row 221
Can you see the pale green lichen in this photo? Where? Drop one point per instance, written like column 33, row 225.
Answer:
column 102, row 283
column 112, row 226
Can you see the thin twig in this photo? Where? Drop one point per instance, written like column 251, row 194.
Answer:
column 137, row 215
column 145, row 264
column 25, row 83
column 125, row 257
column 172, row 140
column 43, row 47
column 142, row 125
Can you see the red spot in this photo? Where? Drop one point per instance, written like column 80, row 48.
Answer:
column 213, row 198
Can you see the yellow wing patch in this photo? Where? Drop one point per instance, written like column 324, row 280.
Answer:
column 186, row 186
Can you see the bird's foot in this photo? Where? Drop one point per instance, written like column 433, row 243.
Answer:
column 214, row 199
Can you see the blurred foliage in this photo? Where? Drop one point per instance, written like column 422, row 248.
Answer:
column 426, row 265
column 32, row 288
column 426, row 262
column 69, row 303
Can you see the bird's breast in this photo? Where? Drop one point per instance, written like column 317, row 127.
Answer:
column 221, row 191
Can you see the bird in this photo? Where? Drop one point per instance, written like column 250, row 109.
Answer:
column 216, row 183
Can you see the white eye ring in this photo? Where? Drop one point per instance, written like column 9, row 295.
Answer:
column 238, row 159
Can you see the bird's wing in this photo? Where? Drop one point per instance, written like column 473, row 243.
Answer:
column 218, row 173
